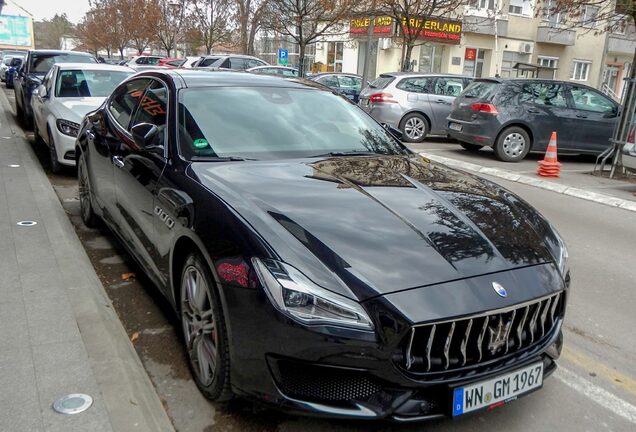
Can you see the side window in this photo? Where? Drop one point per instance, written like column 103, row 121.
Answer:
column 152, row 109
column 349, row 83
column 226, row 64
column 238, row 63
column 589, row 100
column 206, row 62
column 414, row 85
column 543, row 94
column 448, row 86
column 329, row 81
column 125, row 100
column 253, row 63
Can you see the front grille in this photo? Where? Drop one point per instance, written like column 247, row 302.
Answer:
column 471, row 341
column 324, row 384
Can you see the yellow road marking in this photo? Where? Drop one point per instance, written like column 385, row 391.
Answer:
column 599, row 369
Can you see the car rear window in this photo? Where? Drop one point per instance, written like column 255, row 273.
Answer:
column 381, row 82
column 42, row 63
column 480, row 89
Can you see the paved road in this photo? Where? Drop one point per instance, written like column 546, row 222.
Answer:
column 593, row 390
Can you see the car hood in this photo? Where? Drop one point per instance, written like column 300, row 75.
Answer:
column 74, row 109
column 369, row 226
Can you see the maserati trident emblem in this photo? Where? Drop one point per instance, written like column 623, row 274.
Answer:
column 498, row 335
column 499, row 289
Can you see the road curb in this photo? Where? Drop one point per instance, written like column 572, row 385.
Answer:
column 128, row 395
column 596, row 197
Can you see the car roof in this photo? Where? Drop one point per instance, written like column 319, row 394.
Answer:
column 205, row 78
column 52, row 51
column 421, row 74
column 321, row 74
column 94, row 66
column 500, row 80
column 231, row 55
column 271, row 67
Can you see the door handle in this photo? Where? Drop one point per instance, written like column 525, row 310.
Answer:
column 582, row 116
column 533, row 111
column 118, row 161
column 440, row 101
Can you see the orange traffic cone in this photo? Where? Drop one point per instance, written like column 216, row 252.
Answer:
column 549, row 166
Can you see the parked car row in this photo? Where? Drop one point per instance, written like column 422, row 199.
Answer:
column 513, row 116
column 257, row 225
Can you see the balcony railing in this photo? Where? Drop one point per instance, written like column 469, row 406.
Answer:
column 485, row 25
column 621, row 44
column 547, row 33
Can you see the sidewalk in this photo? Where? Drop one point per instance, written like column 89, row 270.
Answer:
column 58, row 331
column 575, row 179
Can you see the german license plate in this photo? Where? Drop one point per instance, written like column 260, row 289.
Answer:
column 497, row 391
column 455, row 126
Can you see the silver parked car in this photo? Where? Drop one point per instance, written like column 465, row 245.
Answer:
column 415, row 103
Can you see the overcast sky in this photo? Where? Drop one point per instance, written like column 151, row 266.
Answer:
column 74, row 9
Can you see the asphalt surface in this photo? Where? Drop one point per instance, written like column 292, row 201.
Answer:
column 593, row 390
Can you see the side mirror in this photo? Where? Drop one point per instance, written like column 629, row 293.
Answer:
column 611, row 114
column 144, row 134
column 41, row 92
column 397, row 134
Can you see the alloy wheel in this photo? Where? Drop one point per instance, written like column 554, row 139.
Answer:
column 84, row 191
column 414, row 128
column 199, row 325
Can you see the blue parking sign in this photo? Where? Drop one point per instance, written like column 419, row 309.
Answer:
column 283, row 56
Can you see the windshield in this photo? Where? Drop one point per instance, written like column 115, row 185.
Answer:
column 88, row 83
column 275, row 123
column 42, row 63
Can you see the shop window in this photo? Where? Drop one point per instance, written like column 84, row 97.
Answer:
column 334, row 56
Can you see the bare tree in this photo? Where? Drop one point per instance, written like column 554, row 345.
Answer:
column 141, row 19
column 249, row 16
column 210, row 20
column 410, row 14
column 602, row 16
column 169, row 30
column 306, row 21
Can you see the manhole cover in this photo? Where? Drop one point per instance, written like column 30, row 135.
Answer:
column 27, row 223
column 73, row 404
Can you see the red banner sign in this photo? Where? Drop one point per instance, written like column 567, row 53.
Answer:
column 470, row 54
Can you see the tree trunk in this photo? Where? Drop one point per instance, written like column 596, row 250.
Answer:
column 121, row 53
column 301, row 59
column 406, row 63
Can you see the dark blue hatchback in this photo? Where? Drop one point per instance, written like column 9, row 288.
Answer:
column 517, row 116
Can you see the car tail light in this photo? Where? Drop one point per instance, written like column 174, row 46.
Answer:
column 631, row 138
column 382, row 98
column 484, row 107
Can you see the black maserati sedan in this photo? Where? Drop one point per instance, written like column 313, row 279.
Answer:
column 314, row 262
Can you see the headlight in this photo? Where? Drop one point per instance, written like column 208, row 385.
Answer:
column 295, row 295
column 68, row 127
column 563, row 255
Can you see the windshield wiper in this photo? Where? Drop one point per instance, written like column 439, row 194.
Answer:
column 349, row 153
column 219, row 159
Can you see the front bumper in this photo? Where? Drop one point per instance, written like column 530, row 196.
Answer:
column 344, row 373
column 64, row 147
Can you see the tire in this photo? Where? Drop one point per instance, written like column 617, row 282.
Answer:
column 89, row 218
column 471, row 147
column 204, row 330
column 56, row 166
column 414, row 127
column 513, row 144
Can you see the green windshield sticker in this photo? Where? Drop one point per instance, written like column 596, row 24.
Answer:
column 201, row 143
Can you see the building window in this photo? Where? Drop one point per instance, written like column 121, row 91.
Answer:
column 509, row 60
column 520, row 7
column 580, row 70
column 334, row 56
column 620, row 26
column 551, row 62
column 589, row 16
column 551, row 14
column 483, row 4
